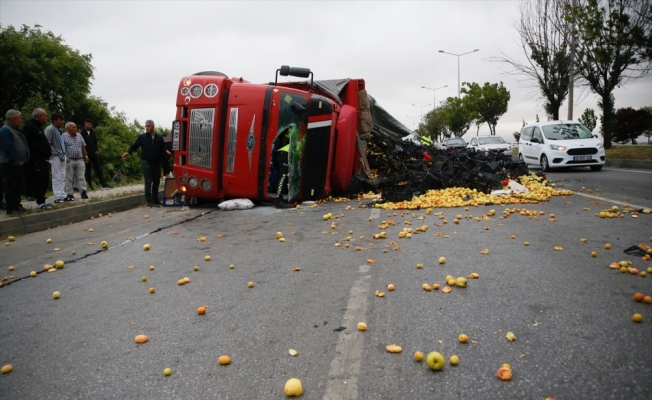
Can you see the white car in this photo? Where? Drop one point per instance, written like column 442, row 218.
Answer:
column 489, row 144
column 557, row 144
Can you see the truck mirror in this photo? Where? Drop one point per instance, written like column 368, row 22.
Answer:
column 284, row 71
column 299, row 72
column 535, row 140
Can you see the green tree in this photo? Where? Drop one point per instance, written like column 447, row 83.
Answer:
column 588, row 119
column 36, row 66
column 434, row 123
column 609, row 49
column 648, row 133
column 457, row 116
column 487, row 103
column 631, row 124
column 544, row 38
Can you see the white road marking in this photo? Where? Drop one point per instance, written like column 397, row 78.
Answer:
column 628, row 170
column 345, row 368
column 622, row 203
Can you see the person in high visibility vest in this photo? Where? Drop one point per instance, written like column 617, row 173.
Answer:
column 281, row 160
column 426, row 140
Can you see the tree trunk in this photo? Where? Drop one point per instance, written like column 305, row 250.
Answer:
column 608, row 118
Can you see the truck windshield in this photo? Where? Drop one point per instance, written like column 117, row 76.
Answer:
column 566, row 131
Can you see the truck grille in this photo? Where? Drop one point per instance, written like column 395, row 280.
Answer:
column 200, row 138
column 582, row 151
column 231, row 140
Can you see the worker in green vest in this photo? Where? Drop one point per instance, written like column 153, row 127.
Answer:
column 426, row 140
column 281, row 160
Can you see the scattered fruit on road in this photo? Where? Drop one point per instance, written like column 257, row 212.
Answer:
column 442, row 260
column 152, row 290
column 201, row 310
column 505, row 372
column 454, row 360
column 195, row 268
column 146, row 247
column 418, row 356
column 362, row 326
column 56, row 295
column 207, row 258
column 435, row 361
column 104, row 244
column 49, row 241
column 638, row 297
column 7, row 369
column 463, row 338
column 293, row 388
column 607, row 246
column 224, row 360
column 392, row 348
column 167, row 371
column 250, row 284
column 140, row 339
column 391, row 287
column 144, row 278
column 510, row 336
column 637, row 318
column 59, row 264
column 32, row 274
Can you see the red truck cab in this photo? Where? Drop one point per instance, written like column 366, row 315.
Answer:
column 227, row 132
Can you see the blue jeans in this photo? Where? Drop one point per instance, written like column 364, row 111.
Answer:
column 152, row 175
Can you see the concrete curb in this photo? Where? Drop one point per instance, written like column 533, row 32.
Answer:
column 51, row 219
column 628, row 164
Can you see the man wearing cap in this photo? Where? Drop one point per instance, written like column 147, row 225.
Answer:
column 76, row 159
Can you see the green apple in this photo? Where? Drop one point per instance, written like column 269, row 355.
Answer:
column 460, row 282
column 435, row 361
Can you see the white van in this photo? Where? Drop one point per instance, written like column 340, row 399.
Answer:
column 557, row 144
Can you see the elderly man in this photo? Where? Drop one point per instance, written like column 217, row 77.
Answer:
column 150, row 164
column 14, row 153
column 58, row 159
column 37, row 170
column 76, row 159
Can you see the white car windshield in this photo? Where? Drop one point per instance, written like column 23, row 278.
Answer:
column 566, row 131
column 491, row 140
column 456, row 141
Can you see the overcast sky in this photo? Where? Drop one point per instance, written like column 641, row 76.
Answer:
column 141, row 49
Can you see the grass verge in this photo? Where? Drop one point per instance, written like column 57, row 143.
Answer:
column 638, row 152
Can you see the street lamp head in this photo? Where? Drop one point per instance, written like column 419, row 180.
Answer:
column 441, row 51
column 476, row 50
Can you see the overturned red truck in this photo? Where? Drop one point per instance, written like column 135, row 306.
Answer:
column 227, row 132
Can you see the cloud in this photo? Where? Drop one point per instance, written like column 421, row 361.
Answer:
column 142, row 49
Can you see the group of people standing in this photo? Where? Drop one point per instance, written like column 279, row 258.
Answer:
column 28, row 156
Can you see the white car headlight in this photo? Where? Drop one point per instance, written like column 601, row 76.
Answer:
column 599, row 146
column 509, row 147
column 558, row 148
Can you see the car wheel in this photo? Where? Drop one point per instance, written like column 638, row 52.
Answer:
column 545, row 166
column 596, row 167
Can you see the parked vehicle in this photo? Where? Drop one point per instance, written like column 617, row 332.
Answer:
column 489, row 144
column 556, row 144
column 452, row 143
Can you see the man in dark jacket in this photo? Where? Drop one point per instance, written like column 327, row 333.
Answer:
column 151, row 157
column 14, row 153
column 93, row 155
column 38, row 168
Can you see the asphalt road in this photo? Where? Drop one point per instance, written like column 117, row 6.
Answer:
column 571, row 314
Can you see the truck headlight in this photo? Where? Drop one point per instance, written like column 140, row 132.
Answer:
column 193, row 182
column 557, row 147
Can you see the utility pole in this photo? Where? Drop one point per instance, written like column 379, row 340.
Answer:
column 571, row 71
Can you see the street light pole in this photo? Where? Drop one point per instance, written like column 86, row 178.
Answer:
column 421, row 109
column 434, row 98
column 458, row 66
column 413, row 117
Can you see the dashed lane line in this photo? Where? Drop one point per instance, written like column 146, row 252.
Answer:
column 345, row 367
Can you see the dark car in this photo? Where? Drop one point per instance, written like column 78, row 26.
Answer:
column 453, row 143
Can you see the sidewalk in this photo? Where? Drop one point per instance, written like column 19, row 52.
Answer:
column 100, row 202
